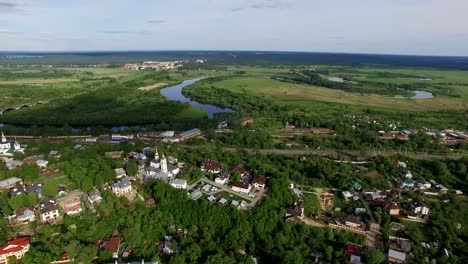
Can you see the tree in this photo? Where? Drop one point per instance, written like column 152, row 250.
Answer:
column 132, row 168
column 375, row 256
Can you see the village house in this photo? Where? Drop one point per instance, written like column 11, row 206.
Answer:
column 16, row 248
column 122, row 188
column 119, row 173
column 241, row 187
column 392, row 208
column 111, row 244
column 49, row 211
column 222, row 179
column 296, row 212
column 259, row 182
column 396, row 256
column 71, row 203
column 353, row 221
column 54, row 154
column 239, row 168
column 42, row 163
column 211, row 166
column 11, row 164
column 420, row 209
column 22, row 216
column 94, row 196
column 27, row 188
column 179, row 184
column 10, row 183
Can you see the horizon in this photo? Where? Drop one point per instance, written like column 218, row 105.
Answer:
column 350, row 27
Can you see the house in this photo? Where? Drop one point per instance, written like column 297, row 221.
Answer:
column 239, row 168
column 111, row 244
column 189, row 134
column 179, row 184
column 222, row 201
column 241, row 187
column 119, row 173
column 378, row 195
column 13, row 164
column 353, row 221
column 122, row 188
column 223, row 125
column 211, row 199
column 259, row 182
column 27, row 188
column 42, row 163
column 94, row 196
column 210, row 166
column 54, row 154
column 246, row 121
column 166, row 247
column 22, row 216
column 347, row 195
column 392, row 208
column 16, row 248
column 222, row 179
column 49, row 211
column 9, row 183
column 400, row 244
column 396, row 256
column 297, row 211
column 71, row 203
column 420, row 209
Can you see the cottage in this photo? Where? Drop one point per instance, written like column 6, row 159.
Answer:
column 111, row 244
column 239, row 168
column 222, row 201
column 420, row 209
column 122, row 188
column 54, row 154
column 211, row 166
column 259, row 182
column 353, row 221
column 71, row 203
column 27, row 188
column 179, row 184
column 9, row 183
column 119, row 173
column 49, row 211
column 94, row 196
column 23, row 215
column 42, row 163
column 396, row 256
column 347, row 195
column 392, row 209
column 13, row 164
column 16, row 248
column 241, row 187
column 222, row 179
column 211, row 199
column 297, row 211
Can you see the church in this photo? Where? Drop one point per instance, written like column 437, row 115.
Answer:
column 160, row 169
column 7, row 147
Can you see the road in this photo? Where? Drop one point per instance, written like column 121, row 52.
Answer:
column 334, row 153
column 224, row 188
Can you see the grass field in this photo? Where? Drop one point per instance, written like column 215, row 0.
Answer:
column 301, row 94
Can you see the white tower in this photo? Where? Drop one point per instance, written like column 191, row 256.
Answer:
column 3, row 138
column 164, row 164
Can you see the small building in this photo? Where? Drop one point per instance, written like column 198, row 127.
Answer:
column 195, row 132
column 27, row 188
column 210, row 166
column 42, row 163
column 13, row 164
column 296, row 212
column 54, row 154
column 16, row 248
column 122, row 188
column 239, row 168
column 396, row 256
column 259, row 182
column 222, row 179
column 120, row 173
column 222, row 201
column 241, row 187
column 353, row 221
column 211, row 199
column 49, row 211
column 22, row 216
column 392, row 209
column 9, row 183
column 71, row 203
column 111, row 244
column 94, row 196
column 179, row 184
column 347, row 195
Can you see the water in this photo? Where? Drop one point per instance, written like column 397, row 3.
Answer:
column 336, row 79
column 174, row 93
column 422, row 95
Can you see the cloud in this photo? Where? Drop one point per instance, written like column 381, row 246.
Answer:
column 261, row 4
column 237, row 9
column 157, row 21
column 124, row 32
column 115, row 32
column 9, row 7
column 8, row 32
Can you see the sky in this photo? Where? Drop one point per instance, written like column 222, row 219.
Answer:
column 416, row 27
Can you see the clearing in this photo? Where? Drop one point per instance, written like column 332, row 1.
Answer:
column 152, row 87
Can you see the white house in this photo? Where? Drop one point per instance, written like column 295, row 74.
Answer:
column 259, row 182
column 421, row 209
column 42, row 163
column 241, row 187
column 179, row 184
column 122, row 188
column 49, row 211
column 16, row 248
column 222, row 179
column 120, row 172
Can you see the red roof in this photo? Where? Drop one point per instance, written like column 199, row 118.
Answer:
column 241, row 185
column 211, row 165
column 14, row 245
column 238, row 168
column 112, row 244
column 259, row 180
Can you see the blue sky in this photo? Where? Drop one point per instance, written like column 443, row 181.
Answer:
column 426, row 27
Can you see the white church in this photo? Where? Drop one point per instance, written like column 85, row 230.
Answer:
column 160, row 169
column 7, row 147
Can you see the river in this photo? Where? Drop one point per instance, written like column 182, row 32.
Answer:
column 174, row 93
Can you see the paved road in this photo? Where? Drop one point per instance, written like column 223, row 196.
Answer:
column 331, row 152
column 224, row 188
